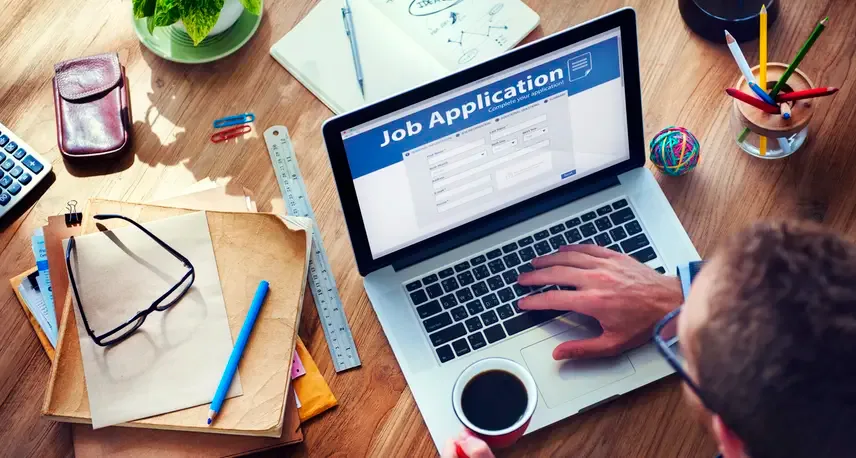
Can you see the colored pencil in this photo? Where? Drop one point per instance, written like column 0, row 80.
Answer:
column 806, row 94
column 799, row 57
column 762, row 68
column 761, row 94
column 784, row 144
column 754, row 101
column 238, row 350
column 786, row 110
column 737, row 53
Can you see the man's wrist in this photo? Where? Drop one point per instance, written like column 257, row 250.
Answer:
column 672, row 294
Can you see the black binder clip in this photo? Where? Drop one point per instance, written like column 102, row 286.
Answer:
column 73, row 217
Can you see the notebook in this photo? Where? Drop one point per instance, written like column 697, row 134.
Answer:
column 402, row 44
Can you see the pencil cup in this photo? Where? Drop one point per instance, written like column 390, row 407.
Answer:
column 784, row 136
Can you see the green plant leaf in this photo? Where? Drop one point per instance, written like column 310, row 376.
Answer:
column 199, row 17
column 144, row 8
column 253, row 6
column 150, row 24
column 167, row 12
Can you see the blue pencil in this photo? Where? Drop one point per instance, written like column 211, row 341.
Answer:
column 238, row 350
column 761, row 94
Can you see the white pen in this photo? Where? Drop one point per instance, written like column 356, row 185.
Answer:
column 348, row 19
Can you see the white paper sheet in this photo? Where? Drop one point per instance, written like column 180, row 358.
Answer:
column 175, row 360
column 461, row 33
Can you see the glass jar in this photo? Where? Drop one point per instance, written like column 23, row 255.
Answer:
column 777, row 147
column 784, row 136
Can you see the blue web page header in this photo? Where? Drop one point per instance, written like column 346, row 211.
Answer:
column 384, row 145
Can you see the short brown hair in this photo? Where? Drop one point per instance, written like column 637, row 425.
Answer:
column 778, row 355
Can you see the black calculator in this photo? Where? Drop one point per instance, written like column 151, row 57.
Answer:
column 21, row 169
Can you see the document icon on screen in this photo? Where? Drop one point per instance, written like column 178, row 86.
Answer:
column 579, row 66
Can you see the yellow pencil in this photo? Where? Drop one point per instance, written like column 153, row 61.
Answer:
column 762, row 70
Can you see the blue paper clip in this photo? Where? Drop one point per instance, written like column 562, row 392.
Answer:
column 235, row 120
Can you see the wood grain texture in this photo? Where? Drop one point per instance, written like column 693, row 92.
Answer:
column 683, row 78
column 259, row 246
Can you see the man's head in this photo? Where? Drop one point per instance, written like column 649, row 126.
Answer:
column 769, row 335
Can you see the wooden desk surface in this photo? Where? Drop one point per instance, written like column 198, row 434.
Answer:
column 683, row 78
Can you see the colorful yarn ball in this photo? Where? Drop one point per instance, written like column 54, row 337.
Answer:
column 675, row 151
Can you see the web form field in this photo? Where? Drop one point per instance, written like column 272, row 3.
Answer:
column 444, row 181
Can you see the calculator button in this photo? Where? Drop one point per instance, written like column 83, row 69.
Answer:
column 7, row 165
column 3, row 140
column 25, row 178
column 11, row 146
column 14, row 189
column 4, row 198
column 33, row 164
column 20, row 153
column 16, row 172
column 5, row 181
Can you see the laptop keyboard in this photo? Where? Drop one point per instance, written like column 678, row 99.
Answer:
column 473, row 303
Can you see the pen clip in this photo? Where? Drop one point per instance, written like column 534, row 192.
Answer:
column 345, row 21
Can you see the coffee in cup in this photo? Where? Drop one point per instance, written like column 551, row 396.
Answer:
column 495, row 399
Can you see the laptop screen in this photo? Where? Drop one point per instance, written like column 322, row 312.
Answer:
column 480, row 148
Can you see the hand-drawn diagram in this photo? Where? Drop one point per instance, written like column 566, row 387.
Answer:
column 456, row 31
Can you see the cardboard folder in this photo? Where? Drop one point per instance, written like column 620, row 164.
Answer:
column 248, row 247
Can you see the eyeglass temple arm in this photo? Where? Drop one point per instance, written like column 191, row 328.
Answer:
column 147, row 232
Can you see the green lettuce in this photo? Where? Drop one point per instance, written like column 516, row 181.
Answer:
column 253, row 6
column 199, row 17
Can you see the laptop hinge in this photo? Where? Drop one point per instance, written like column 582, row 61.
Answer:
column 458, row 237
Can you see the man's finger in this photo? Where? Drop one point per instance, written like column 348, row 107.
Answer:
column 585, row 302
column 569, row 259
column 474, row 447
column 596, row 347
column 557, row 275
column 591, row 250
column 449, row 450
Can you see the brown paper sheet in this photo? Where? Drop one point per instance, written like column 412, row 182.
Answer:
column 149, row 443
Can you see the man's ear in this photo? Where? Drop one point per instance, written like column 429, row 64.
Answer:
column 729, row 444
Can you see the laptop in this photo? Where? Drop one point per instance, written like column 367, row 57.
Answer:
column 450, row 189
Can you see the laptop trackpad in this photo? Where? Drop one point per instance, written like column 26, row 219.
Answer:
column 562, row 381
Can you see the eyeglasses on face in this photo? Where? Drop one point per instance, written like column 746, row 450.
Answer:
column 666, row 340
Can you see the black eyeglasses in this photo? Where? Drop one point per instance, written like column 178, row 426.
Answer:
column 125, row 330
column 666, row 338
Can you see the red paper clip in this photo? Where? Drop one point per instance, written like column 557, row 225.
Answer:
column 224, row 135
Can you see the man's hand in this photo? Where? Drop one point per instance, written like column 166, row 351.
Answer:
column 624, row 295
column 470, row 445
